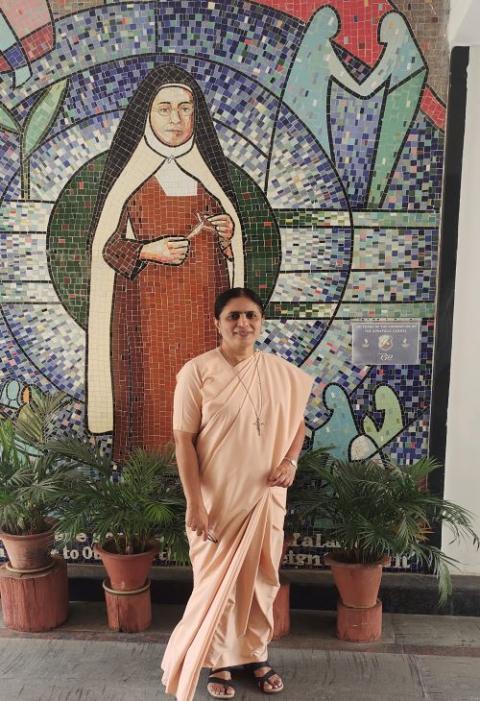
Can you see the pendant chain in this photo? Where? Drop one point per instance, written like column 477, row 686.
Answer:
column 258, row 414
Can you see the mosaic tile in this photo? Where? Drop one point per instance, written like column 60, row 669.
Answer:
column 349, row 310
column 80, row 45
column 399, row 218
column 19, row 216
column 385, row 310
column 354, row 128
column 15, row 364
column 23, row 255
column 416, row 182
column 239, row 150
column 292, row 340
column 411, row 382
column 325, row 144
column 246, row 36
column 313, row 217
column 52, row 341
column 27, row 292
column 333, row 355
column 315, row 249
column 300, row 172
column 395, row 248
column 11, row 158
column 412, row 444
column 298, row 287
column 394, row 286
column 236, row 100
column 70, row 150
column 24, row 38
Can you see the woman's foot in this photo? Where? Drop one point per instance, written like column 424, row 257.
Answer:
column 220, row 683
column 267, row 682
column 267, row 679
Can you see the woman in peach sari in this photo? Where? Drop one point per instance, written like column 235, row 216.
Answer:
column 239, row 428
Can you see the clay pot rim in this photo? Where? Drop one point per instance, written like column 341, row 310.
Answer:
column 153, row 549
column 31, row 536
column 331, row 559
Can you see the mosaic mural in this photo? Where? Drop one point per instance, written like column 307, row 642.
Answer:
column 155, row 152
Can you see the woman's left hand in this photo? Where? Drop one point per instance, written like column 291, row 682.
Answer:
column 282, row 475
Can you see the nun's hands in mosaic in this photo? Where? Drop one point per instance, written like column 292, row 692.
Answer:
column 224, row 227
column 171, row 250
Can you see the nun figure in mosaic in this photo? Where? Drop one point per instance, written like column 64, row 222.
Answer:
column 166, row 239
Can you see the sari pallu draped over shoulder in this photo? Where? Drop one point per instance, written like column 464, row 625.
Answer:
column 228, row 619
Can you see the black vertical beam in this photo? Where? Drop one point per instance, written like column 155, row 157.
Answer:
column 457, row 99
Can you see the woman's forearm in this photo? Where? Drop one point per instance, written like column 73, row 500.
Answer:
column 294, row 451
column 188, row 468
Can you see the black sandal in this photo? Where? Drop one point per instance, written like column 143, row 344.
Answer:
column 265, row 677
column 222, row 682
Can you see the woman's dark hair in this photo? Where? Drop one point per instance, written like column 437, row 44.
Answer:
column 132, row 128
column 224, row 298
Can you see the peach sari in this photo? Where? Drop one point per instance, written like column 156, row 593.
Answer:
column 228, row 619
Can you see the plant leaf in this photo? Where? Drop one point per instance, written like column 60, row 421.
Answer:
column 8, row 121
column 42, row 115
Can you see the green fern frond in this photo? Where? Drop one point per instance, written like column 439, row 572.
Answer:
column 371, row 509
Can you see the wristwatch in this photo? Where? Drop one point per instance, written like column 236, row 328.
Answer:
column 291, row 461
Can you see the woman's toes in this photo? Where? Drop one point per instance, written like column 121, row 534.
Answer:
column 218, row 690
column 275, row 682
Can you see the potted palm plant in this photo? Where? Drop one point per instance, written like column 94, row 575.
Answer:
column 127, row 511
column 32, row 483
column 375, row 511
column 33, row 584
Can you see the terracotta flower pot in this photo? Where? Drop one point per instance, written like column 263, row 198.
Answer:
column 30, row 552
column 127, row 572
column 357, row 584
column 359, row 625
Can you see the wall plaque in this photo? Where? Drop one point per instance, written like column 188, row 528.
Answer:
column 386, row 343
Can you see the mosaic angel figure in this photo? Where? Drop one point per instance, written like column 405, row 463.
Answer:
column 400, row 73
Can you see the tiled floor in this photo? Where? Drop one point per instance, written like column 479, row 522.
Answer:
column 428, row 658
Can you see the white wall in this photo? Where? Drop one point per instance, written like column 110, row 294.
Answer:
column 464, row 23
column 462, row 467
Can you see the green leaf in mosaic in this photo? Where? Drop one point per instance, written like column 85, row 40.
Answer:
column 42, row 115
column 262, row 245
column 8, row 121
column 388, row 405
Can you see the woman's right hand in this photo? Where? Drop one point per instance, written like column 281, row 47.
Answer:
column 196, row 518
column 171, row 250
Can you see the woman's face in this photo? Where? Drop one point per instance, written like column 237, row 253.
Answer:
column 172, row 115
column 240, row 323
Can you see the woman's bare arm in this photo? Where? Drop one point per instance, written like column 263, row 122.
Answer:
column 188, row 468
column 295, row 449
column 283, row 475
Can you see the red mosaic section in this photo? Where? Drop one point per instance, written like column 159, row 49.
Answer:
column 39, row 42
column 359, row 22
column 432, row 106
column 5, row 67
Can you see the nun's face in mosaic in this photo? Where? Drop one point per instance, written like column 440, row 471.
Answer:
column 172, row 115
